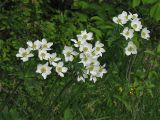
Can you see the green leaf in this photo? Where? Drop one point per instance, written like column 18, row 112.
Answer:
column 149, row 52
column 149, row 1
column 68, row 114
column 135, row 3
column 126, row 104
column 97, row 32
column 97, row 18
column 155, row 11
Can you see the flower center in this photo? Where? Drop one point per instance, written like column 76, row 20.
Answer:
column 101, row 69
column 93, row 53
column 85, row 36
column 127, row 33
column 85, row 49
column 143, row 34
column 126, row 17
column 24, row 54
column 91, row 68
column 52, row 59
column 79, row 42
column 135, row 26
column 85, row 58
column 43, row 54
column 45, row 46
column 43, row 69
column 34, row 46
column 130, row 48
column 68, row 54
column 98, row 48
column 59, row 69
column 119, row 20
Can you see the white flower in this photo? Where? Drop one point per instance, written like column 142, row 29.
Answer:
column 24, row 54
column 145, row 33
column 92, row 69
column 60, row 69
column 78, row 42
column 125, row 17
column 136, row 25
column 128, row 33
column 121, row 19
column 53, row 59
column 43, row 55
column 133, row 16
column 34, row 46
column 86, row 48
column 101, row 71
column 99, row 48
column 44, row 70
column 85, row 36
column 93, row 78
column 94, row 54
column 131, row 48
column 45, row 45
column 85, row 59
column 117, row 20
column 82, row 78
column 69, row 53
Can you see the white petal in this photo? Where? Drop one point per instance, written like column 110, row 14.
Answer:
column 64, row 69
column 61, row 74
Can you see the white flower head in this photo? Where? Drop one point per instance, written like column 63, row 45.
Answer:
column 45, row 45
column 78, row 42
column 133, row 16
column 136, row 25
column 86, row 48
column 131, row 48
column 125, row 17
column 121, row 18
column 101, row 71
column 93, row 67
column 85, row 36
column 60, row 69
column 83, row 77
column 145, row 33
column 117, row 20
column 93, row 78
column 85, row 59
column 34, row 45
column 127, row 33
column 98, row 49
column 69, row 53
column 43, row 55
column 24, row 54
column 53, row 59
column 45, row 70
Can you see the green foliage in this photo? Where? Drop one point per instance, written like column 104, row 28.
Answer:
column 154, row 9
column 130, row 89
column 136, row 3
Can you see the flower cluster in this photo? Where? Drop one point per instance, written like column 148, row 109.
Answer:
column 43, row 47
column 88, row 56
column 129, row 32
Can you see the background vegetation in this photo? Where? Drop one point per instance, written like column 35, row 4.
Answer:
column 130, row 89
